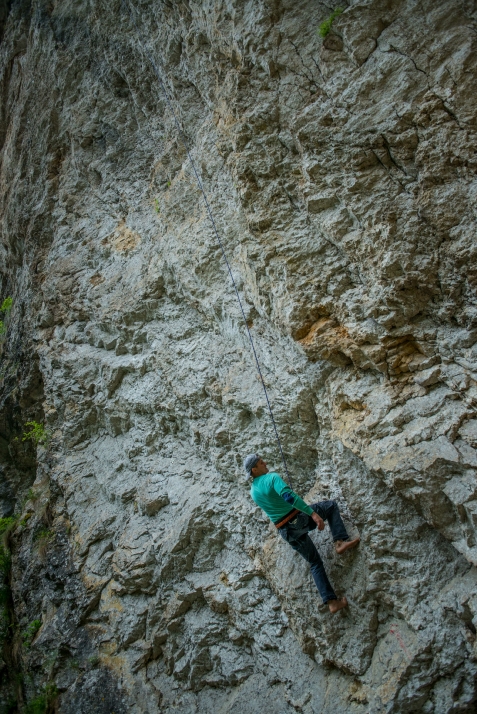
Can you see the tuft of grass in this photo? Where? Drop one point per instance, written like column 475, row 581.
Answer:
column 42, row 703
column 7, row 305
column 38, row 434
column 7, row 523
column 6, row 526
column 32, row 495
column 325, row 26
column 93, row 661
column 42, row 538
column 37, row 705
column 44, row 534
column 156, row 206
column 30, row 631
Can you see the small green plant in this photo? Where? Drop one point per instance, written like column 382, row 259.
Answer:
column 41, row 703
column 30, row 631
column 156, row 206
column 30, row 495
column 42, row 538
column 168, row 184
column 44, row 534
column 93, row 661
column 37, row 705
column 24, row 520
column 7, row 524
column 325, row 26
column 73, row 664
column 7, row 305
column 38, row 434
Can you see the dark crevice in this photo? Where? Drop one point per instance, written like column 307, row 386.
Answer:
column 5, row 7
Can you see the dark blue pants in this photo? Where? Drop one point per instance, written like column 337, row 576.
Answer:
column 295, row 532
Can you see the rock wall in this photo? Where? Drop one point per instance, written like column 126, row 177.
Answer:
column 341, row 174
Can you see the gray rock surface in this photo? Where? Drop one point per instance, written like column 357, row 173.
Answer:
column 341, row 175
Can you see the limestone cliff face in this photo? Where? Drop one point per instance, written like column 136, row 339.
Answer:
column 341, row 174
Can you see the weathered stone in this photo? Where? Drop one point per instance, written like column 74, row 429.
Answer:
column 468, row 432
column 341, row 176
column 428, row 376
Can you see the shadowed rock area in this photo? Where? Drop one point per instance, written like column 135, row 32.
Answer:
column 138, row 575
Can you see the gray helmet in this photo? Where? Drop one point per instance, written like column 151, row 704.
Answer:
column 249, row 462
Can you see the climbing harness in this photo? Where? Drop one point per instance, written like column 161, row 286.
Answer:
column 212, row 220
column 287, row 518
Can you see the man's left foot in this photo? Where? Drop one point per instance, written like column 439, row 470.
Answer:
column 336, row 605
column 341, row 546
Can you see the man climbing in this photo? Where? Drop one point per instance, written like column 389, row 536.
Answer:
column 294, row 519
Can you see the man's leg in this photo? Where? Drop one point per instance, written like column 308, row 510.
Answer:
column 329, row 511
column 305, row 546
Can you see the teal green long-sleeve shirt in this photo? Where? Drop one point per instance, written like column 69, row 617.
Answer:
column 268, row 492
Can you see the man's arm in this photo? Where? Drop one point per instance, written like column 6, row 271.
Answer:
column 294, row 500
column 290, row 496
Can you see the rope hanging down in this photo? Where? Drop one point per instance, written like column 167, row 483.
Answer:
column 212, row 220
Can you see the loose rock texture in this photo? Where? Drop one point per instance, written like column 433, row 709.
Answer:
column 341, row 174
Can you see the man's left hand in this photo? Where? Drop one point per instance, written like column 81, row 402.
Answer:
column 318, row 520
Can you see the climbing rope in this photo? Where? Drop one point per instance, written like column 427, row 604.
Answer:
column 212, row 220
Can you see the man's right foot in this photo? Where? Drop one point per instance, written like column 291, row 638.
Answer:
column 339, row 604
column 341, row 546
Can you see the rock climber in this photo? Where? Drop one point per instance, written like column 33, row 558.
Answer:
column 294, row 519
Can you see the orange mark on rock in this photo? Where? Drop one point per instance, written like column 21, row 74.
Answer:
column 342, row 331
column 96, row 279
column 123, row 238
column 318, row 328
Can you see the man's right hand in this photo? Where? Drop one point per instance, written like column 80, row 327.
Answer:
column 318, row 520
